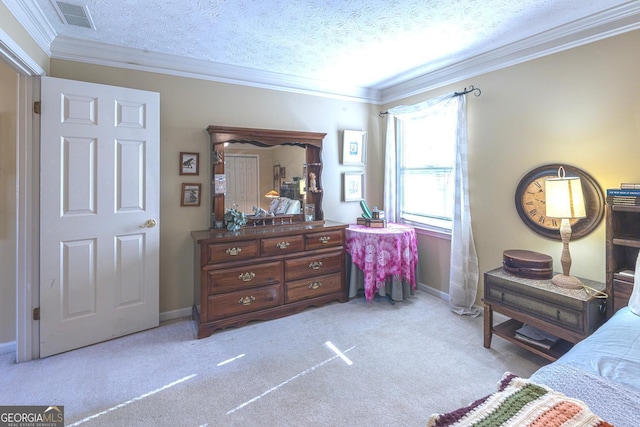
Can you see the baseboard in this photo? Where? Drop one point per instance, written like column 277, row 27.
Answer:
column 175, row 314
column 7, row 347
column 439, row 294
column 433, row 291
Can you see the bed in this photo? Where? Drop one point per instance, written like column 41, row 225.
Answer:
column 596, row 383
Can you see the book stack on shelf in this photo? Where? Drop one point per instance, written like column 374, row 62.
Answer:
column 626, row 195
column 535, row 336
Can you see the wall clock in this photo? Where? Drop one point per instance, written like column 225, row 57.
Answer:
column 530, row 202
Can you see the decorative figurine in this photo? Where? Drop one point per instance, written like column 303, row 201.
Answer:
column 312, row 182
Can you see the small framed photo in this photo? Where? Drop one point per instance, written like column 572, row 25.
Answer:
column 353, row 147
column 353, row 186
column 219, row 183
column 191, row 194
column 189, row 163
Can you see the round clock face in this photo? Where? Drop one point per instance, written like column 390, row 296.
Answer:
column 530, row 202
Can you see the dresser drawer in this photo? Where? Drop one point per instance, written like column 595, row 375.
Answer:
column 325, row 239
column 312, row 266
column 248, row 276
column 245, row 301
column 558, row 315
column 313, row 287
column 282, row 245
column 225, row 252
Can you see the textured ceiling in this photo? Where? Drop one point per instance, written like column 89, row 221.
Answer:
column 360, row 43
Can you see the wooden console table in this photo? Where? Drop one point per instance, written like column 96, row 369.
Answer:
column 570, row 314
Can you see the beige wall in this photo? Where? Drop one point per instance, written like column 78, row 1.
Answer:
column 8, row 93
column 580, row 107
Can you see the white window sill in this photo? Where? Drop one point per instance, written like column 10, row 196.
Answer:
column 425, row 230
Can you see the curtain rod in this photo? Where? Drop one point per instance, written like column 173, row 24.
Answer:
column 476, row 91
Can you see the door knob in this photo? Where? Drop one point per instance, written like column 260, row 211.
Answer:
column 150, row 223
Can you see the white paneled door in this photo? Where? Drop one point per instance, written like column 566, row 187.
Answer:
column 99, row 213
column 242, row 182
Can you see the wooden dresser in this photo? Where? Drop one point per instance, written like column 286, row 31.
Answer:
column 266, row 272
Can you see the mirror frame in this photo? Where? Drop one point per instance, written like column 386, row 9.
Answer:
column 311, row 141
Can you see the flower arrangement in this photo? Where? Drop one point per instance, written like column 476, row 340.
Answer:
column 234, row 218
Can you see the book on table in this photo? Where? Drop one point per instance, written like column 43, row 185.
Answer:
column 533, row 335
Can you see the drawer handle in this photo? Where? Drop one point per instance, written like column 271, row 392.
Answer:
column 283, row 245
column 315, row 265
column 315, row 285
column 557, row 314
column 247, row 300
column 324, row 239
column 233, row 251
column 246, row 277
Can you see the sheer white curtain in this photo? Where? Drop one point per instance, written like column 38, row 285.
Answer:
column 463, row 273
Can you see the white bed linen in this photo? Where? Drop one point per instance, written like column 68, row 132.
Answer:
column 603, row 370
column 612, row 352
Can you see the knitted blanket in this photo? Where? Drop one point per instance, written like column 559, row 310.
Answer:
column 520, row 403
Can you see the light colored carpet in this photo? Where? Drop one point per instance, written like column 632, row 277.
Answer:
column 409, row 360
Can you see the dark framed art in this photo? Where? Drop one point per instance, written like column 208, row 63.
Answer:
column 189, row 163
column 191, row 194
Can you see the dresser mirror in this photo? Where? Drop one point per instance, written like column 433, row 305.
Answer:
column 260, row 167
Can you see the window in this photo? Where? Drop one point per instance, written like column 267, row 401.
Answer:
column 426, row 162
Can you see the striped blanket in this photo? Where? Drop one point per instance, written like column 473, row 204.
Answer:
column 520, row 403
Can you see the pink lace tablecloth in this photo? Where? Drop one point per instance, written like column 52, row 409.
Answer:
column 383, row 252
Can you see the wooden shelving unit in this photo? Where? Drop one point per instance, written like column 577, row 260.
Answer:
column 622, row 248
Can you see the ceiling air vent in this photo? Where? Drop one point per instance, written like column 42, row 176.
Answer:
column 74, row 14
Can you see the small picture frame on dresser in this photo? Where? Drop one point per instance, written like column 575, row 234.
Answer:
column 189, row 163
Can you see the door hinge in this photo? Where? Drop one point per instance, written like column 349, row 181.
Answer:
column 36, row 107
column 36, row 313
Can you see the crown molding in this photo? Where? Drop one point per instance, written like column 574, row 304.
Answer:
column 31, row 17
column 612, row 22
column 18, row 58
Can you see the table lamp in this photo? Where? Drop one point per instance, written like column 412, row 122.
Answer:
column 564, row 200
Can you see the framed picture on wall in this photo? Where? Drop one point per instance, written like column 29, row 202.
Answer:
column 353, row 147
column 189, row 163
column 353, row 186
column 191, row 194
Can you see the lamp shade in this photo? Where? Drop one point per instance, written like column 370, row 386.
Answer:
column 564, row 198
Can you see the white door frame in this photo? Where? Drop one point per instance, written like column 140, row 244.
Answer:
column 28, row 190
